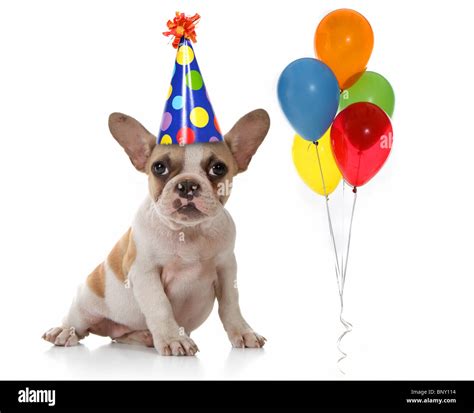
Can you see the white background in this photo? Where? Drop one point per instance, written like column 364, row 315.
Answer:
column 68, row 191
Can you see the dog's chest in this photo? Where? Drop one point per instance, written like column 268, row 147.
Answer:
column 190, row 290
column 188, row 277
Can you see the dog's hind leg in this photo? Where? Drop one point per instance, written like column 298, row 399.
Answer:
column 87, row 309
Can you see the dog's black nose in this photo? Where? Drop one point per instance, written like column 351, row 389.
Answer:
column 187, row 189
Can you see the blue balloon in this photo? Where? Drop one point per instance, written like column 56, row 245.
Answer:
column 309, row 96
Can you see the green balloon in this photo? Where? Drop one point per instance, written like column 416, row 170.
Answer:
column 373, row 88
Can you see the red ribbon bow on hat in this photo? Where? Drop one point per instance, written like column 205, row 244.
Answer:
column 182, row 26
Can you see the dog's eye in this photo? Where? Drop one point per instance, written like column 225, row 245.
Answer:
column 159, row 169
column 218, row 169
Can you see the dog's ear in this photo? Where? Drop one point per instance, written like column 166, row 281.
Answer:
column 133, row 137
column 247, row 135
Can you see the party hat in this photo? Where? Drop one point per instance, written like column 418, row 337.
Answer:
column 188, row 116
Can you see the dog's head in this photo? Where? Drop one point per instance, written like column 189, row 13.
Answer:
column 190, row 184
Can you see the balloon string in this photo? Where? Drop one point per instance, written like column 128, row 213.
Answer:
column 343, row 236
column 331, row 231
column 348, row 326
column 348, row 329
column 349, row 237
column 339, row 275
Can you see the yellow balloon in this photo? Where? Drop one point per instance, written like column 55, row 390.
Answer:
column 306, row 162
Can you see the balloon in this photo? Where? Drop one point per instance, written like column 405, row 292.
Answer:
column 373, row 88
column 309, row 96
column 306, row 163
column 361, row 140
column 344, row 41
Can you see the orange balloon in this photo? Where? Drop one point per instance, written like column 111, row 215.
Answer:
column 344, row 41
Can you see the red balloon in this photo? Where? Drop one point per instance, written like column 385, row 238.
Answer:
column 361, row 140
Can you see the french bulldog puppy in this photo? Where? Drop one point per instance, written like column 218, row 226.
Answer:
column 161, row 279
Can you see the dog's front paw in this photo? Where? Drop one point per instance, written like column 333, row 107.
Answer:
column 246, row 338
column 180, row 345
column 61, row 336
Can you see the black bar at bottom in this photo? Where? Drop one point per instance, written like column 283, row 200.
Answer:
column 294, row 396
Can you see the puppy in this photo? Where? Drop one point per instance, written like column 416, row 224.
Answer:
column 161, row 279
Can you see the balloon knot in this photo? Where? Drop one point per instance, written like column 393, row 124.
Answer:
column 316, row 143
column 182, row 26
column 354, row 190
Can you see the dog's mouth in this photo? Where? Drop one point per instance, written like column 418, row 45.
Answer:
column 190, row 210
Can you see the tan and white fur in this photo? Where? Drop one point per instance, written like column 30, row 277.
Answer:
column 160, row 281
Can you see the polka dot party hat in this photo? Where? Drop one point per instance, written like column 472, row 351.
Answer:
column 188, row 116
